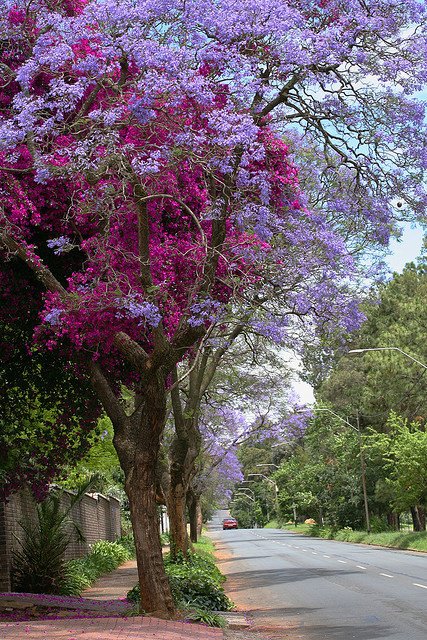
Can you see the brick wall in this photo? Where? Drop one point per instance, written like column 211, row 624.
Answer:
column 96, row 516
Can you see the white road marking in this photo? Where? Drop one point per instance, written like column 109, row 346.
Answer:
column 342, row 561
column 386, row 575
column 422, row 586
column 304, row 549
column 314, row 553
column 360, row 567
column 326, row 556
column 295, row 546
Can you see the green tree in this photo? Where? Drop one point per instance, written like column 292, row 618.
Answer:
column 403, row 452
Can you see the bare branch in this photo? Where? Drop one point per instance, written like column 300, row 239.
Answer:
column 42, row 273
column 106, row 395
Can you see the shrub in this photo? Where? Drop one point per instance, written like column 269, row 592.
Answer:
column 39, row 565
column 128, row 543
column 104, row 557
column 165, row 538
column 195, row 582
column 207, row 617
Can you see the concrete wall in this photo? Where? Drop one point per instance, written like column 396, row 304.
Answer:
column 97, row 517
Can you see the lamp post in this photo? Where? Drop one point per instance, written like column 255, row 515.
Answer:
column 246, row 489
column 241, row 495
column 391, row 348
column 276, row 489
column 251, row 513
column 362, row 459
column 355, row 351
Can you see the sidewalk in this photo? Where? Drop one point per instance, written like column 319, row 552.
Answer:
column 104, row 598
column 114, row 585
column 107, row 629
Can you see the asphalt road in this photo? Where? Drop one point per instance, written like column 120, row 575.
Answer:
column 322, row 589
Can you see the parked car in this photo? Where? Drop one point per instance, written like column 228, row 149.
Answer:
column 229, row 523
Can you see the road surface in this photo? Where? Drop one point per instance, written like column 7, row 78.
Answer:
column 323, row 589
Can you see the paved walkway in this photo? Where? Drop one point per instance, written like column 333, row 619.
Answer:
column 106, row 596
column 115, row 584
column 107, row 629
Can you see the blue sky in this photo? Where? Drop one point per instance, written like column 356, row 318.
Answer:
column 405, row 250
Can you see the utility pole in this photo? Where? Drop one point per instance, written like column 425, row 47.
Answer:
column 363, row 474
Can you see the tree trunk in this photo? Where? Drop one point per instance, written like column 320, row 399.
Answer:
column 416, row 519
column 137, row 443
column 393, row 520
column 183, row 453
column 199, row 516
column 177, row 520
column 422, row 517
column 192, row 512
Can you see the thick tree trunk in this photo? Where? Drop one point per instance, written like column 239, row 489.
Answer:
column 177, row 521
column 393, row 520
column 192, row 513
column 416, row 519
column 195, row 515
column 155, row 591
column 183, row 453
column 137, row 443
column 199, row 516
column 422, row 517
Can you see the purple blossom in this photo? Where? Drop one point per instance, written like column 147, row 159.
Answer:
column 53, row 317
column 60, row 245
column 42, row 175
column 146, row 312
column 206, row 310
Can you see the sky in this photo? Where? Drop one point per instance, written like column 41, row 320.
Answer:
column 407, row 249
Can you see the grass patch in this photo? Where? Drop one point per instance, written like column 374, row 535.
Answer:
column 410, row 540
column 300, row 528
column 413, row 540
column 204, row 545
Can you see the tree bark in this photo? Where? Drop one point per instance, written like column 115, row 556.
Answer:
column 194, row 506
column 416, row 519
column 422, row 517
column 393, row 520
column 183, row 454
column 177, row 521
column 137, row 442
column 192, row 512
column 199, row 516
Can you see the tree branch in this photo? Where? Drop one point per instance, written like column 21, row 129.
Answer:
column 42, row 273
column 106, row 395
column 133, row 353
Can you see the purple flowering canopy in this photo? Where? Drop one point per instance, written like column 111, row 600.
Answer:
column 149, row 183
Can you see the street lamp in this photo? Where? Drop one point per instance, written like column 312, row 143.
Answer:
column 362, row 459
column 353, row 351
column 244, row 495
column 246, row 489
column 276, row 489
column 251, row 513
column 268, row 464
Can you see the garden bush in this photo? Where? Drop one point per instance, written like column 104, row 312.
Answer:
column 195, row 582
column 104, row 557
column 38, row 565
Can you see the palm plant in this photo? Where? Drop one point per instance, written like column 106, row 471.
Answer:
column 38, row 566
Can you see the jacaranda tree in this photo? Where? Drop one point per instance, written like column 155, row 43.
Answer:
column 146, row 185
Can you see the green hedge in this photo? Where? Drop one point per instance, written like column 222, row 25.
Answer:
column 195, row 583
column 103, row 558
column 412, row 540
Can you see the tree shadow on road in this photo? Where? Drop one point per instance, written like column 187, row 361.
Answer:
column 242, row 580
